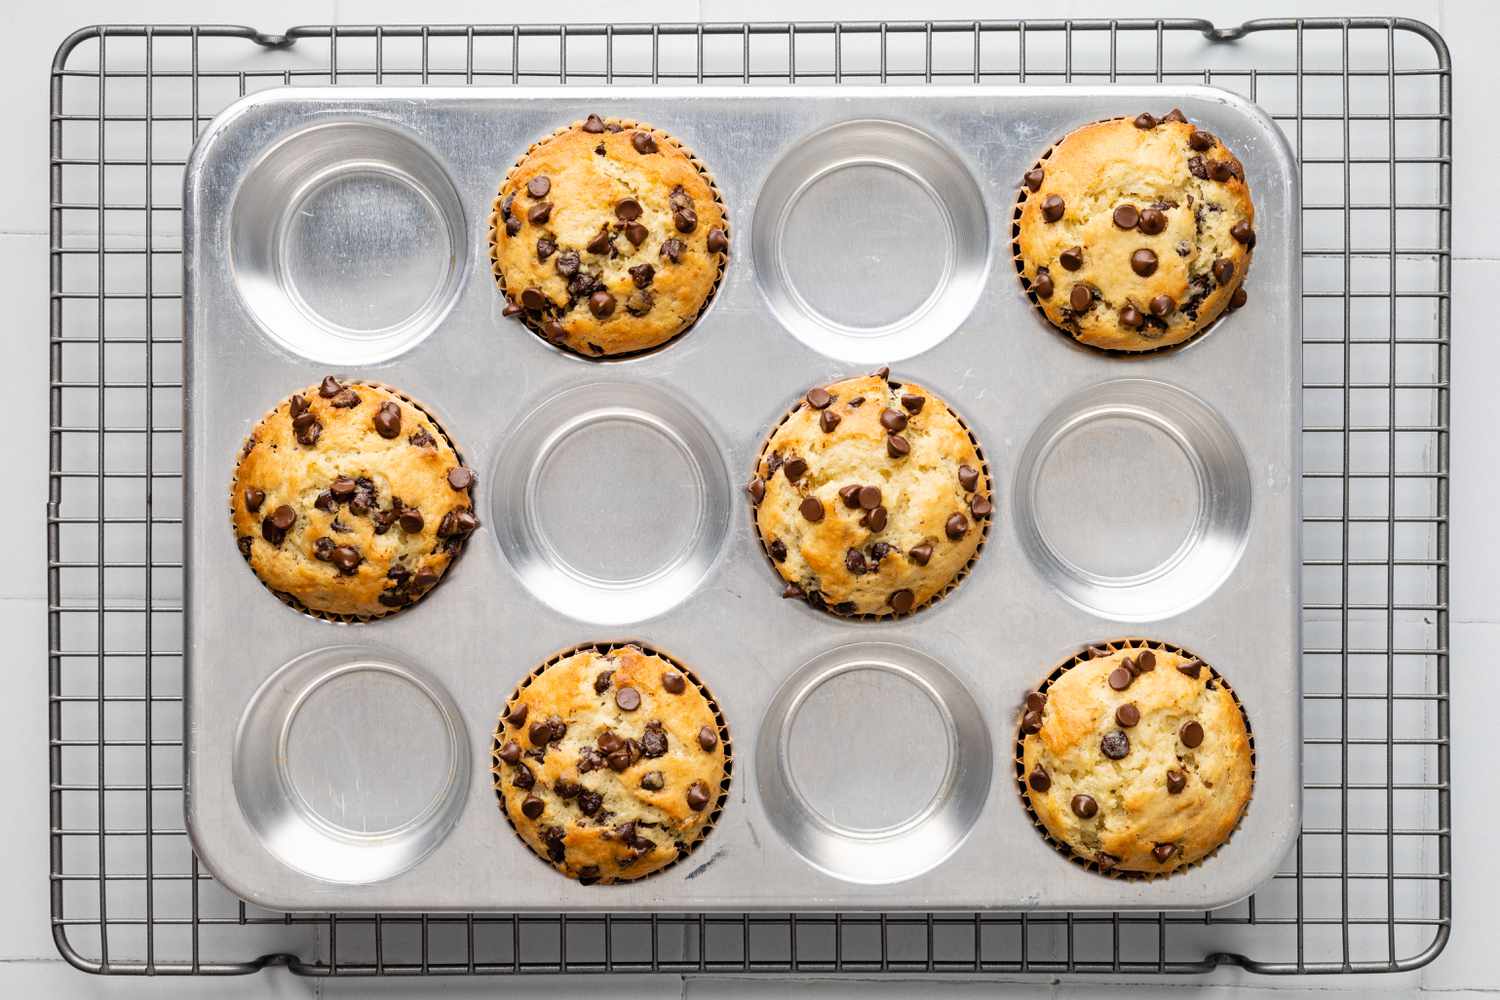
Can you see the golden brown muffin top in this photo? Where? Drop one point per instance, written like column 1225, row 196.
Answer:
column 1137, row 758
column 1135, row 234
column 349, row 500
column 608, row 238
column 610, row 763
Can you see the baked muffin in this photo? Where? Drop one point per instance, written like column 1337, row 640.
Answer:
column 1136, row 757
column 611, row 762
column 871, row 497
column 1134, row 234
column 349, row 500
column 608, row 238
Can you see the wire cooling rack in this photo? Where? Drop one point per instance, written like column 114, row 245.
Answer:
column 1366, row 104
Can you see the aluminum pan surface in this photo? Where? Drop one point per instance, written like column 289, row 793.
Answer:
column 738, row 370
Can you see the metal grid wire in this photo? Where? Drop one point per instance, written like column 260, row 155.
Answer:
column 1365, row 104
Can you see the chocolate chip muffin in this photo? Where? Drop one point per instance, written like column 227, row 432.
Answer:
column 1136, row 757
column 349, row 500
column 608, row 238
column 1136, row 233
column 871, row 498
column 611, row 762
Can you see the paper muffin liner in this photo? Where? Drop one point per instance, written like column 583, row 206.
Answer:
column 492, row 235
column 1024, row 790
column 290, row 600
column 498, row 738
column 1022, row 193
column 950, row 586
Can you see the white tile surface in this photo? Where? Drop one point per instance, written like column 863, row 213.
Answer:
column 28, row 34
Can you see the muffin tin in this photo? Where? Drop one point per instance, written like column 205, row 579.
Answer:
column 337, row 766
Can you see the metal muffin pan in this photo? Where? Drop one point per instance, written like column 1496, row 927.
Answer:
column 343, row 230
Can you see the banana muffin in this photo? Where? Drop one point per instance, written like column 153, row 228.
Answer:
column 871, row 498
column 349, row 500
column 1135, row 233
column 608, row 238
column 1136, row 757
column 611, row 762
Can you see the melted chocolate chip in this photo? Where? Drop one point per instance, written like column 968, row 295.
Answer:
column 253, row 499
column 307, row 429
column 1238, row 297
column 1052, row 208
column 828, row 420
column 1035, row 701
column 778, row 550
column 718, row 241
column 672, row 249
column 460, row 478
column 897, row 446
column 1223, row 270
column 627, row 209
column 1191, row 734
column 1131, row 318
column 1031, row 723
column 757, row 490
column 1127, row 715
column 956, row 527
column 1162, row 306
column 411, row 520
column 1127, row 216
column 511, row 752
column 874, row 520
column 628, row 698
column 697, row 796
column 1114, row 745
column 1201, row 141
column 539, row 213
column 1163, row 852
column 913, row 404
column 1176, row 782
column 1243, row 233
column 708, row 738
column 1084, row 806
column 812, row 509
column 1081, row 298
column 968, row 478
column 330, row 387
column 1033, row 179
column 1071, row 258
column 388, row 420
column 538, row 186
column 653, row 740
column 794, row 468
column 901, row 601
column 644, row 142
column 921, row 554
column 1120, row 678
column 601, row 304
column 1143, row 262
column 653, row 781
column 1153, row 221
column 1145, row 120
column 1039, row 780
column 517, row 716
column 593, row 125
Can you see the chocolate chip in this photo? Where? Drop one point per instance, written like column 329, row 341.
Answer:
column 601, row 681
column 1176, row 782
column 1035, row 701
column 1223, row 270
column 538, row 186
column 791, row 591
column 541, row 732
column 1153, row 221
column 639, row 302
column 347, row 399
column 532, row 807
column 1220, row 170
column 1031, row 723
column 388, row 420
column 854, row 562
column 1033, row 178
column 1120, row 678
column 512, row 226
column 589, row 802
column 460, row 478
column 253, row 499
column 601, row 304
column 567, row 263
column 517, row 716
column 850, row 495
column 511, row 752
column 1127, row 216
column 524, row 779
column 1197, row 168
column 956, row 527
column 627, row 209
column 1129, row 664
column 913, row 404
column 346, row 559
column 636, row 233
column 1145, row 120
column 718, row 241
column 869, row 497
column 1131, row 318
column 794, row 468
column 1071, row 258
column 545, row 248
column 901, row 601
column 672, row 249
column 424, row 579
column 1084, row 806
column 534, row 299
column 812, row 509
column 653, row 740
column 1042, row 285
column 1052, row 208
column 1201, row 141
column 685, row 219
column 818, row 398
column 920, row 554
column 330, row 387
column 1163, row 852
column 653, row 781
column 981, row 507
column 1243, row 233
column 968, row 478
column 874, row 520
column 1191, row 668
column 274, row 528
column 1081, row 297
column 708, row 738
column 1115, row 744
column 894, row 421
column 1191, row 734
column 602, row 242
column 628, row 698
column 1039, row 780
column 1143, row 262
column 644, row 142
column 778, row 550
column 697, row 796
column 829, row 420
column 897, row 446
column 1175, row 115
column 642, row 274
column 757, row 490
column 1238, row 297
column 1162, row 306
column 539, row 213
column 1145, row 662
column 1127, row 715
column 593, row 125
column 307, row 429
